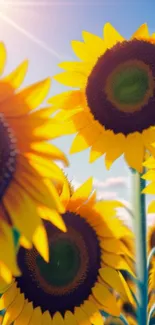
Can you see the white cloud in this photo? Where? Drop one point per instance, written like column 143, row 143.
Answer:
column 112, row 182
column 106, row 195
column 75, row 183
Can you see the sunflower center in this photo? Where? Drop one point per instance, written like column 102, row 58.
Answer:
column 130, row 85
column 121, row 87
column 64, row 263
column 7, row 155
column 66, row 281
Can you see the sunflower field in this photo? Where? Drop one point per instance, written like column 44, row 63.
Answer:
column 66, row 258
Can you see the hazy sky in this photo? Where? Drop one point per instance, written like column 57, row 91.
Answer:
column 42, row 30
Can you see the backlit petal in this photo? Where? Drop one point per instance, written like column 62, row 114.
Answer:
column 72, row 79
column 134, row 152
column 58, row 319
column 105, row 298
column 115, row 279
column 69, row 318
column 25, row 315
column 111, row 36
column 92, row 312
column 81, row 317
column 36, row 317
column 14, row 310
column 141, row 32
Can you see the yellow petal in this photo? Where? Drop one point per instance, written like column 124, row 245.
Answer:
column 149, row 139
column 25, row 243
column 50, row 151
column 58, row 319
column 115, row 149
column 94, row 43
column 3, row 55
column 25, row 315
column 30, row 169
column 27, row 99
column 20, row 207
column 93, row 313
column 8, row 254
column 149, row 189
column 92, row 199
column 72, row 79
column 65, row 194
column 81, row 67
column 82, row 120
column 108, row 208
column 17, row 77
column 53, row 217
column 150, row 162
column 111, row 36
column 36, row 317
column 67, row 115
column 105, row 298
column 5, row 273
column 117, row 262
column 54, row 129
column 81, row 317
column 81, row 51
column 68, row 100
column 149, row 176
column 151, row 207
column 134, row 152
column 141, row 32
column 69, row 318
column 113, row 245
column 8, row 297
column 83, row 139
column 14, row 310
column 45, row 194
column 3, row 285
column 40, row 241
column 81, row 195
column 99, row 147
column 115, row 280
column 46, row 318
column 44, row 112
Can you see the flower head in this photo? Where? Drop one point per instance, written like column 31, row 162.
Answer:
column 27, row 168
column 112, row 110
column 83, row 268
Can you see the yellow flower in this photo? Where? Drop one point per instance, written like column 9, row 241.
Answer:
column 84, row 267
column 112, row 107
column 27, row 172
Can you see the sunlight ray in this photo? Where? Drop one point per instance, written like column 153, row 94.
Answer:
column 48, row 4
column 30, row 36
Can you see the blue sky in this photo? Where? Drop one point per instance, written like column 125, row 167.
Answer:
column 42, row 30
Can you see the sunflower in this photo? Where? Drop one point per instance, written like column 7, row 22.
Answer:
column 112, row 107
column 27, row 172
column 83, row 268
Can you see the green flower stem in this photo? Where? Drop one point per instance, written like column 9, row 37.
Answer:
column 141, row 248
